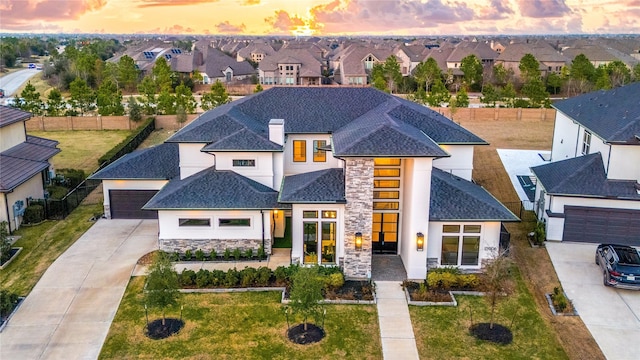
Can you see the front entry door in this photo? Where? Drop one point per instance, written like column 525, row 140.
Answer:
column 385, row 233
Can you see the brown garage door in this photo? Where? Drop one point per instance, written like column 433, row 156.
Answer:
column 127, row 204
column 602, row 225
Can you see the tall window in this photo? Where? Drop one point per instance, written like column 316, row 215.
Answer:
column 460, row 245
column 586, row 142
column 319, row 155
column 299, row 150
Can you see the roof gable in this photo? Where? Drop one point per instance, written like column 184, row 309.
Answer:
column 9, row 115
column 160, row 162
column 323, row 186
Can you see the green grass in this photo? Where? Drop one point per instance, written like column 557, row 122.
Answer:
column 239, row 326
column 41, row 246
column 443, row 332
column 81, row 149
column 156, row 137
column 286, row 241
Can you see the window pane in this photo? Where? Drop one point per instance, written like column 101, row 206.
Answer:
column 386, row 183
column 386, row 172
column 449, row 250
column 328, row 242
column 450, row 228
column 299, row 150
column 318, row 154
column 384, row 161
column 472, row 229
column 244, row 163
column 386, row 194
column 194, row 222
column 326, row 214
column 234, row 222
column 470, row 248
column 309, row 214
column 391, row 205
column 310, row 241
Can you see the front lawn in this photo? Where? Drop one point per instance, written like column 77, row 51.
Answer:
column 442, row 332
column 247, row 325
column 41, row 245
column 82, row 148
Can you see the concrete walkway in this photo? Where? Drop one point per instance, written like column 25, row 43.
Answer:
column 396, row 331
column 68, row 313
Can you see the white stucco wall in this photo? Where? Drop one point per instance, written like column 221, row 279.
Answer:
column 460, row 163
column 12, row 135
column 262, row 172
column 168, row 221
column 192, row 160
column 129, row 185
column 291, row 168
column 624, row 162
column 415, row 215
column 297, row 230
column 565, row 138
column 489, row 240
column 31, row 188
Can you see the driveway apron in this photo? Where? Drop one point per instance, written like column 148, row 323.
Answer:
column 68, row 313
column 611, row 315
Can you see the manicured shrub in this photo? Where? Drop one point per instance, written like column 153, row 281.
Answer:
column 72, row 177
column 175, row 256
column 261, row 254
column 248, row 276
column 237, row 253
column 217, row 278
column 280, row 273
column 231, row 278
column 187, row 278
column 213, row 255
column 248, row 253
column 33, row 214
column 468, row 281
column 199, row 255
column 333, row 281
column 227, row 254
column 8, row 301
column 263, row 276
column 188, row 255
column 441, row 280
column 203, row 278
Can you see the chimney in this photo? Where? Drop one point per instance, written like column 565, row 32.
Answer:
column 276, row 131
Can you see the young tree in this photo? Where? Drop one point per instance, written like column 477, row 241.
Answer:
column 181, row 115
column 535, row 90
column 438, row 95
column 135, row 111
column 109, row 99
column 490, row 95
column 508, row 94
column 471, row 66
column 554, row 82
column 82, row 97
column 161, row 288
column 529, row 68
column 197, row 77
column 258, row 89
column 55, row 103
column 499, row 281
column 166, row 103
column 501, row 75
column 377, row 77
column 127, row 73
column 582, row 73
column 162, row 75
column 306, row 293
column 427, row 72
column 30, row 100
column 392, row 73
column 603, row 81
column 218, row 96
column 619, row 73
column 185, row 99
column 147, row 88
column 462, row 99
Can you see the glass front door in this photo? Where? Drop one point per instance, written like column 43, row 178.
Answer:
column 385, row 233
column 323, row 252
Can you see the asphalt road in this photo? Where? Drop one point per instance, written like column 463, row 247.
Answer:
column 10, row 83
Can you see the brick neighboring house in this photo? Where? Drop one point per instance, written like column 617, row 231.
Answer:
column 352, row 65
column 213, row 65
column 549, row 58
column 590, row 192
column 291, row 67
column 354, row 171
column 24, row 165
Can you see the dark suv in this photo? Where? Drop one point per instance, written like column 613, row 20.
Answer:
column 620, row 265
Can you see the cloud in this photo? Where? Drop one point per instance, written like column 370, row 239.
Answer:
column 284, row 22
column 250, row 2
column 156, row 3
column 177, row 30
column 497, row 10
column 543, row 8
column 16, row 14
column 227, row 28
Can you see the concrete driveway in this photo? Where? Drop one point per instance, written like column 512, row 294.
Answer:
column 611, row 315
column 68, row 313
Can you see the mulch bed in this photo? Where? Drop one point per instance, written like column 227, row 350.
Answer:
column 156, row 331
column 352, row 290
column 499, row 334
column 430, row 295
column 298, row 335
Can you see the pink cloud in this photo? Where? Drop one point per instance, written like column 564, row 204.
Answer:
column 17, row 14
column 228, row 28
column 250, row 2
column 543, row 8
column 156, row 3
column 282, row 21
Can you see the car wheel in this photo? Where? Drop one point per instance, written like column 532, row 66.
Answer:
column 605, row 281
column 597, row 261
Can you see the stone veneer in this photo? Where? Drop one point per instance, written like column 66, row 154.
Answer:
column 219, row 245
column 107, row 211
column 358, row 216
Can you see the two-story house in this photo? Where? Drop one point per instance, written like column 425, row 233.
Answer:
column 291, row 67
column 590, row 192
column 24, row 165
column 356, row 171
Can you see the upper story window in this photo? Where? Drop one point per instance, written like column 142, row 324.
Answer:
column 586, row 142
column 368, row 62
column 250, row 162
column 299, row 150
column 319, row 155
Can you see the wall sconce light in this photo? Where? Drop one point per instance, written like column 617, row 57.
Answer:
column 358, row 241
column 420, row 241
column 275, row 213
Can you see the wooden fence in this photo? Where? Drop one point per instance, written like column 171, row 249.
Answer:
column 67, row 123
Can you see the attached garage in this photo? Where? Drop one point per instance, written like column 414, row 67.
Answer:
column 602, row 225
column 127, row 204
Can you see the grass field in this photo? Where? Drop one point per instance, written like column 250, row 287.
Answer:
column 534, row 263
column 81, row 149
column 239, row 326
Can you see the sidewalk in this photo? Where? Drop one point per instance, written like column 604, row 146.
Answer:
column 396, row 331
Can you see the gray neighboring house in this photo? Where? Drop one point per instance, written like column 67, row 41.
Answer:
column 291, row 67
column 25, row 169
column 590, row 192
column 213, row 65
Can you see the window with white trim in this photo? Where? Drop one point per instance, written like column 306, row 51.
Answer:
column 239, row 222
column 194, row 222
column 460, row 245
column 586, row 142
column 244, row 162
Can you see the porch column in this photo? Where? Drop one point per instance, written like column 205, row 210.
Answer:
column 358, row 216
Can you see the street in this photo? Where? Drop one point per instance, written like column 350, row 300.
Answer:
column 11, row 83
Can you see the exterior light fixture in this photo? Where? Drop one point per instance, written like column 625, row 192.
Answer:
column 358, row 241
column 420, row 241
column 275, row 213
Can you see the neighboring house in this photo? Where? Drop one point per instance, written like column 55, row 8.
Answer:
column 291, row 67
column 590, row 190
column 213, row 65
column 549, row 58
column 255, row 52
column 409, row 56
column 355, row 171
column 352, row 65
column 24, row 165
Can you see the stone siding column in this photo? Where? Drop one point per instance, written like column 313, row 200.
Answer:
column 358, row 216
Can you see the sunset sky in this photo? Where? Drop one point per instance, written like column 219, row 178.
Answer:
column 322, row 17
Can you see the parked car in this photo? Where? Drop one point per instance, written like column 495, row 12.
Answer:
column 620, row 265
column 1, row 93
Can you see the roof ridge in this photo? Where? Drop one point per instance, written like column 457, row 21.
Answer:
column 591, row 158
